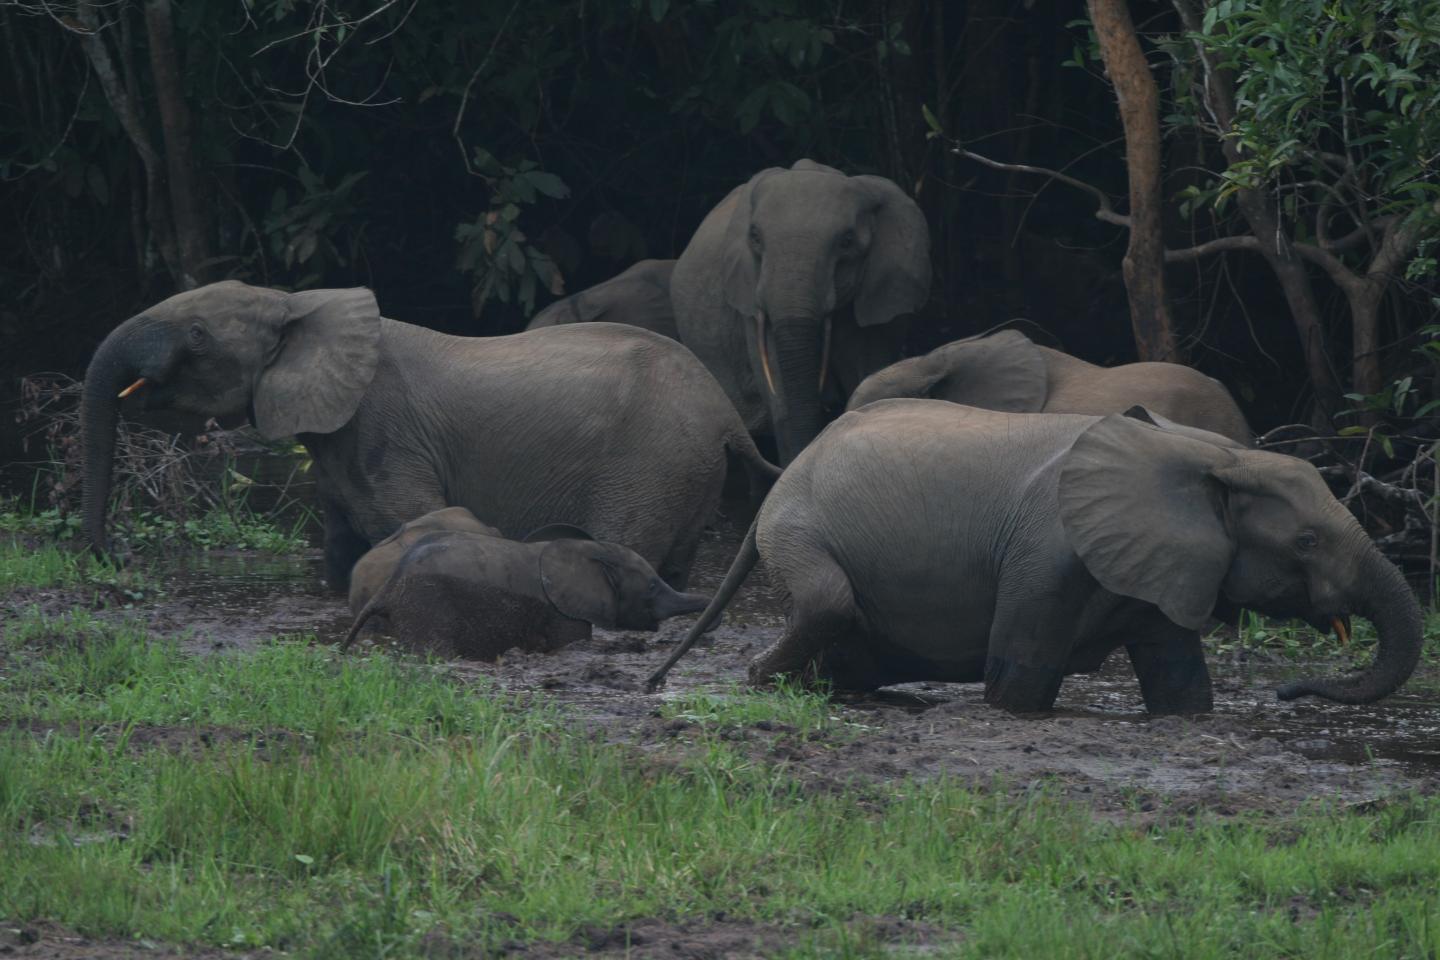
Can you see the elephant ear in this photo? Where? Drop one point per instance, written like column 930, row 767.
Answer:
column 738, row 274
column 326, row 357
column 578, row 583
column 897, row 269
column 557, row 531
column 1144, row 509
column 1004, row 371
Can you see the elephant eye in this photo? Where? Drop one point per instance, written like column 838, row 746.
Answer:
column 847, row 240
column 195, row 336
column 755, row 235
column 1306, row 541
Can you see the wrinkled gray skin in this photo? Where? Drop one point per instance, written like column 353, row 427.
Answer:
column 373, row 569
column 922, row 540
column 461, row 593
column 605, row 426
column 1006, row 371
column 789, row 252
column 640, row 297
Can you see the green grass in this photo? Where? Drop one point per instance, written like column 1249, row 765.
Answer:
column 791, row 705
column 400, row 803
column 50, row 565
column 1294, row 640
column 239, row 529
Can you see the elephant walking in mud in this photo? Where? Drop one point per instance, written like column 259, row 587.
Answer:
column 1007, row 371
column 923, row 540
column 793, row 282
column 609, row 427
column 463, row 593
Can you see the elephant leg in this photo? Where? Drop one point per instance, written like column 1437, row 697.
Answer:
column 822, row 614
column 674, row 568
column 1170, row 665
column 343, row 546
column 1033, row 634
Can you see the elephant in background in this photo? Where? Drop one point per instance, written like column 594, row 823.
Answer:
column 793, row 284
column 608, row 427
column 1006, row 371
column 462, row 593
column 921, row 540
column 640, row 296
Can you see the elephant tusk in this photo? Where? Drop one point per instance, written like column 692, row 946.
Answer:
column 1342, row 630
column 132, row 388
column 825, row 354
column 764, row 350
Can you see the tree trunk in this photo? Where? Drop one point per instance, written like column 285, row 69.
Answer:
column 192, row 238
column 1139, row 101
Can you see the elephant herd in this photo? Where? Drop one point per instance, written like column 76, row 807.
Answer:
column 992, row 511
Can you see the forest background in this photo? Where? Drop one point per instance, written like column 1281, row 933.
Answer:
column 472, row 161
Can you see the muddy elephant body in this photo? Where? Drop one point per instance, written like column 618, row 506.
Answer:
column 923, row 540
column 639, row 296
column 1006, row 371
column 608, row 427
column 791, row 288
column 476, row 595
column 374, row 568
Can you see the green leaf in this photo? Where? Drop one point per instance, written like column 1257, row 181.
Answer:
column 548, row 184
column 931, row 120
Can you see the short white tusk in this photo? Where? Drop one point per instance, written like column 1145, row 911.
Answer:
column 825, row 353
column 764, row 350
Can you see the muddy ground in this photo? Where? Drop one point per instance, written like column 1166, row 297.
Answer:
column 1099, row 746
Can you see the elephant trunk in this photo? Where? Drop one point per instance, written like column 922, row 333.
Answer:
column 1389, row 603
column 796, row 410
column 672, row 603
column 118, row 362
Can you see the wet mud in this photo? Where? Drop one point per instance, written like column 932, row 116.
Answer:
column 1099, row 746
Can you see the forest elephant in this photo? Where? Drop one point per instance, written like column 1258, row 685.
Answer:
column 612, row 428
column 922, row 540
column 640, row 296
column 1006, row 371
column 792, row 282
column 375, row 567
column 457, row 592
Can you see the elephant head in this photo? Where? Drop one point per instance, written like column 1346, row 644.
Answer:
column 801, row 245
column 1174, row 519
column 1002, row 371
column 605, row 583
column 295, row 362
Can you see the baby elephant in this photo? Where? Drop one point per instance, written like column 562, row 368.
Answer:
column 469, row 594
column 374, row 568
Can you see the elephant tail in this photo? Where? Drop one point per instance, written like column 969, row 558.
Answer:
column 745, row 560
column 375, row 605
column 761, row 472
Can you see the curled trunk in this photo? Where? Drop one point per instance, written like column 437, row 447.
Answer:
column 796, row 411
column 1389, row 603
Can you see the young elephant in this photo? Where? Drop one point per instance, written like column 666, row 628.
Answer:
column 926, row 540
column 372, row 570
column 1006, row 371
column 461, row 593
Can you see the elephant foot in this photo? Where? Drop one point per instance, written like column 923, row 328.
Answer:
column 1021, row 688
column 1172, row 674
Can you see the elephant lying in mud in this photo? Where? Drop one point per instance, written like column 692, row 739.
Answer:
column 639, row 296
column 610, row 427
column 372, row 570
column 1006, row 371
column 922, row 540
column 471, row 594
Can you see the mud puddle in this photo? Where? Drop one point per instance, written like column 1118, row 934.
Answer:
column 1253, row 752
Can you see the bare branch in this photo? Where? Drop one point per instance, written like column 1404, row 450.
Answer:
column 1107, row 209
column 465, row 96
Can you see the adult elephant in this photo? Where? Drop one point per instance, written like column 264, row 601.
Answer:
column 640, row 296
column 604, row 426
column 790, row 282
column 926, row 540
column 1007, row 371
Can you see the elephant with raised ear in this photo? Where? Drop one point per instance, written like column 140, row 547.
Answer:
column 1007, row 371
column 640, row 296
column 921, row 540
column 791, row 287
column 609, row 427
column 461, row 593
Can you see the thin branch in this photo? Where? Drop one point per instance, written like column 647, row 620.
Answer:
column 1107, row 209
column 469, row 85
